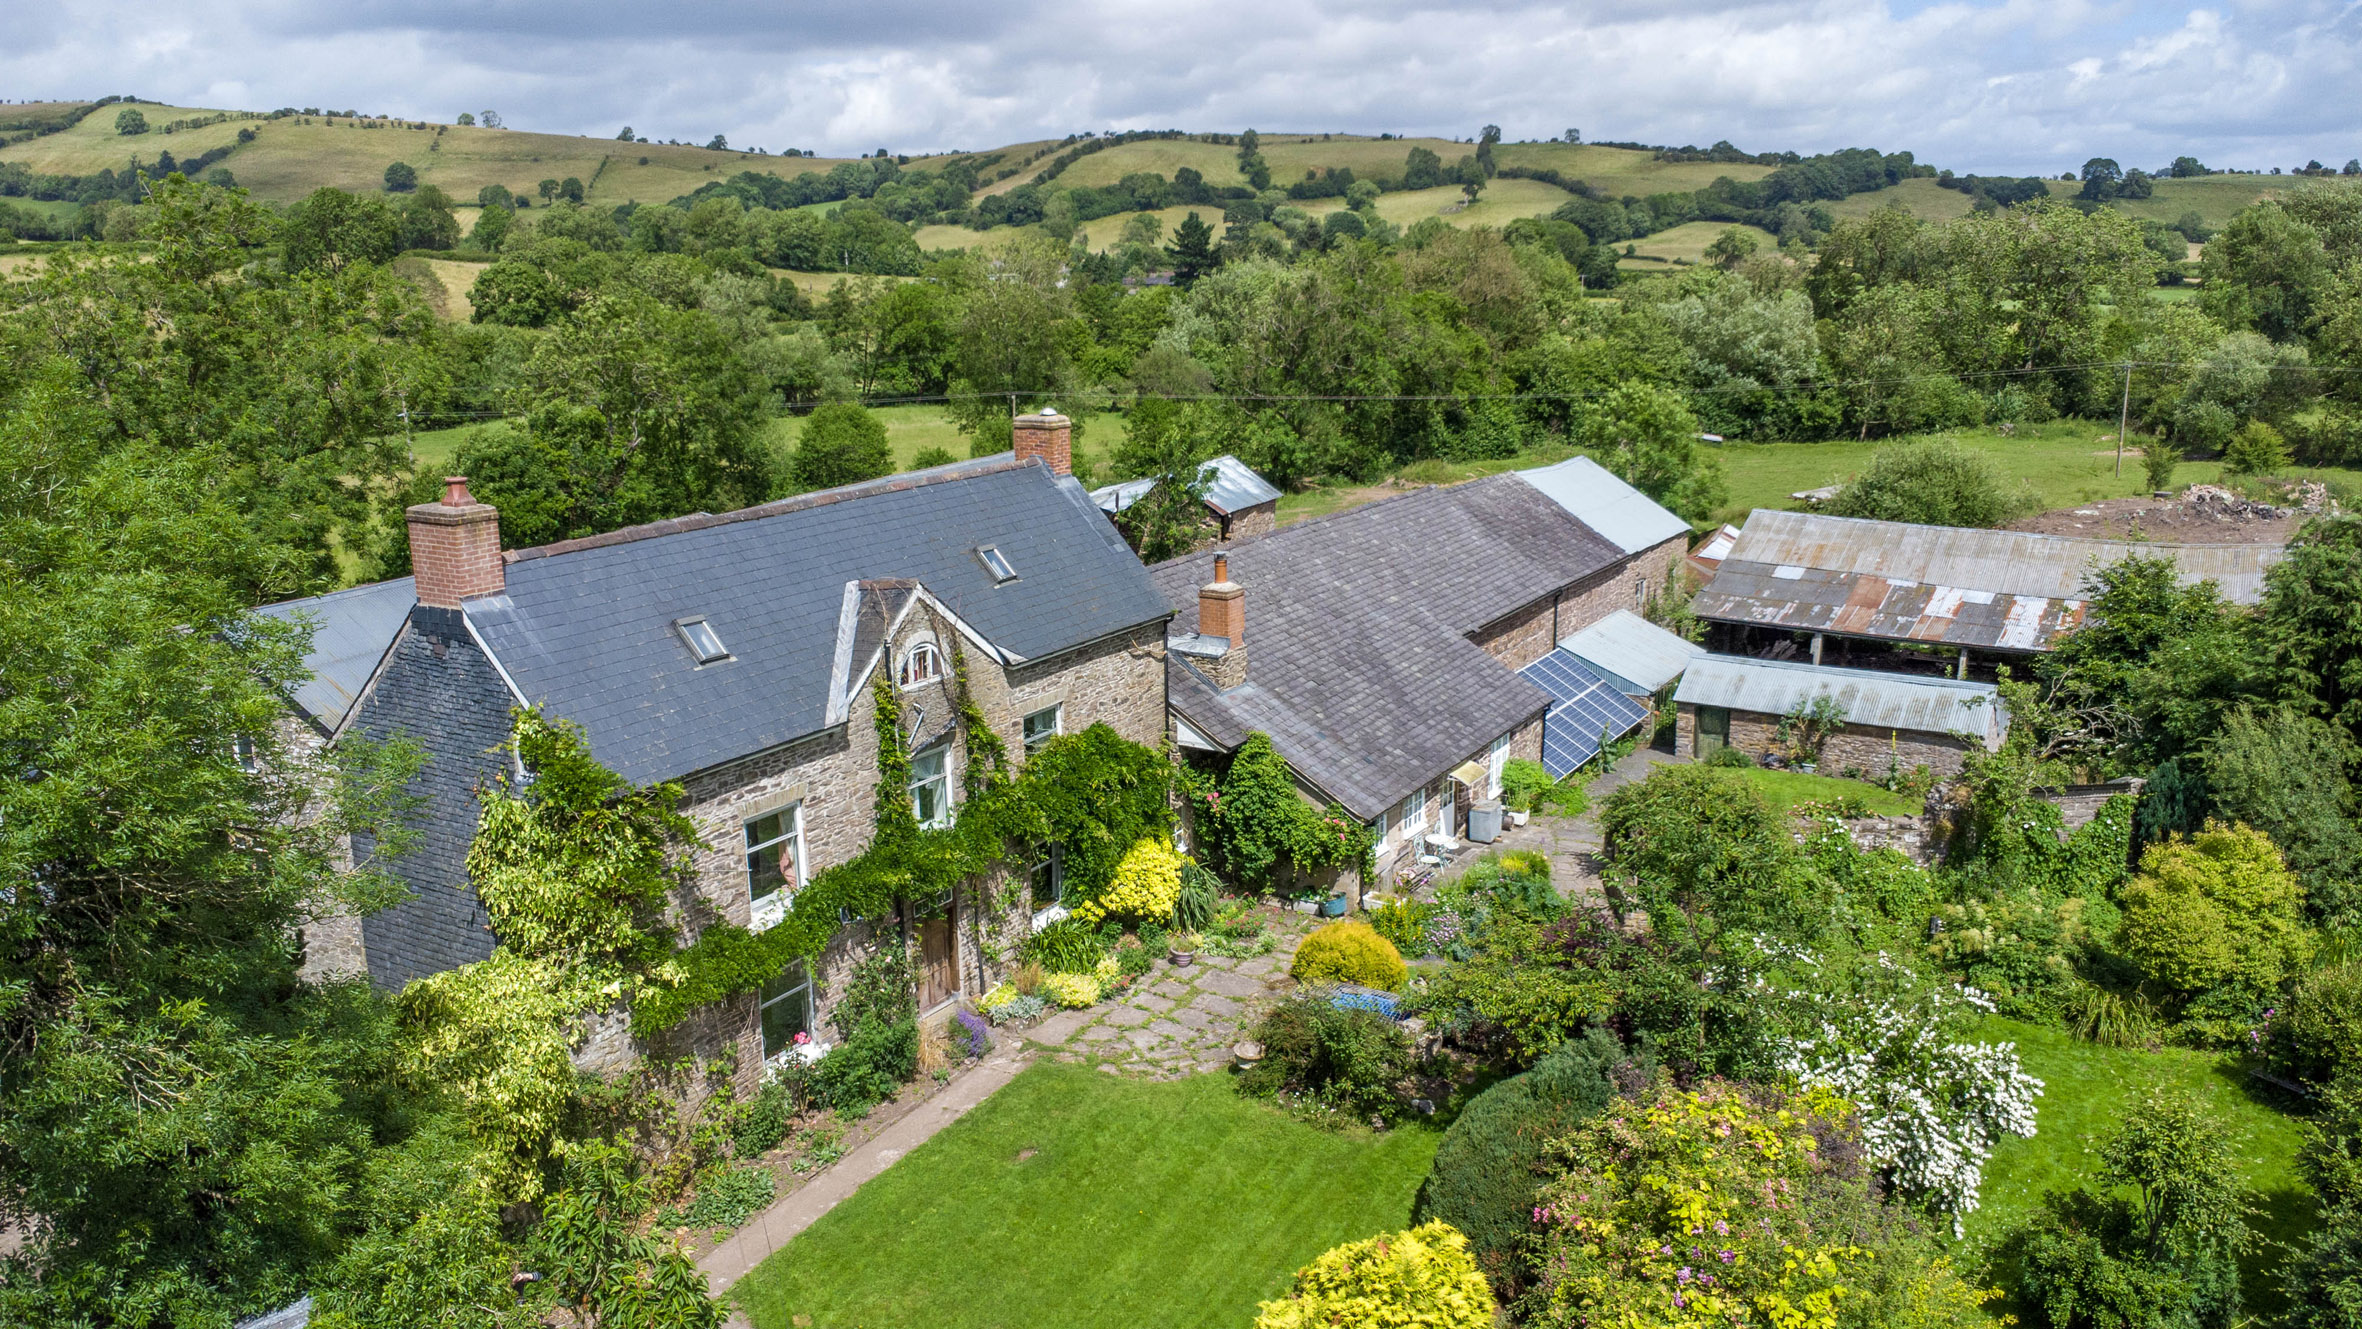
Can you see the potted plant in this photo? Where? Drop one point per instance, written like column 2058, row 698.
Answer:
column 1183, row 949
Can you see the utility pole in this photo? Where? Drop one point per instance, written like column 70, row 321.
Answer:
column 2123, row 418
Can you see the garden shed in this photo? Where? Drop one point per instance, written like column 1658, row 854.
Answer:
column 1890, row 722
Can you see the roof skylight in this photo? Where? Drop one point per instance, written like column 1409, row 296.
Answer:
column 997, row 563
column 702, row 640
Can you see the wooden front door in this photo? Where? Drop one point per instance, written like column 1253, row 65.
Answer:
column 938, row 976
column 1713, row 730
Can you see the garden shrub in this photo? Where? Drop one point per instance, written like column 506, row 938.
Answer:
column 2215, row 910
column 1701, row 851
column 1731, row 758
column 725, row 1200
column 1352, row 1062
column 1522, row 782
column 1071, row 991
column 1420, row 1279
column 1931, row 482
column 1516, row 997
column 2164, row 1255
column 2319, row 1035
column 2022, row 950
column 1146, row 884
column 1201, row 895
column 1490, row 1162
column 1349, row 951
column 868, row 1067
column 2324, row 1275
column 1068, row 946
column 1403, row 922
column 1659, row 1203
column 970, row 1036
column 761, row 1122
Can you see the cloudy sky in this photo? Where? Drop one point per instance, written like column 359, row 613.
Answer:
column 2016, row 86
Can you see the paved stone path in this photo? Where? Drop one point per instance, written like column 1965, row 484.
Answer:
column 1573, row 844
column 1177, row 1021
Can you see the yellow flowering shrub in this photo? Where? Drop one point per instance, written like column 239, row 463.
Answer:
column 1421, row 1279
column 1725, row 1208
column 1349, row 951
column 1000, row 996
column 1146, row 884
column 1072, row 991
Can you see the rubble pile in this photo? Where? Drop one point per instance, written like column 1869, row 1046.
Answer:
column 2221, row 504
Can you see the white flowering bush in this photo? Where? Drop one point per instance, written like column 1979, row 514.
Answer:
column 1932, row 1106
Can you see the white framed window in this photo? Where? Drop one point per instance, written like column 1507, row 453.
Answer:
column 1495, row 758
column 246, row 754
column 1042, row 726
column 1046, row 876
column 787, row 1009
column 996, row 563
column 921, row 664
column 1414, row 814
column 1378, row 830
column 774, row 864
column 930, row 786
column 1640, row 591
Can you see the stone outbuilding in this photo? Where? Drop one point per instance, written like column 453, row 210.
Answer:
column 1239, row 503
column 1892, row 722
column 1399, row 654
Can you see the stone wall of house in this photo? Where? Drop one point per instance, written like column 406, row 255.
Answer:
column 1525, row 744
column 1526, row 635
column 331, row 942
column 1247, row 523
column 1625, row 586
column 1870, row 749
column 1118, row 681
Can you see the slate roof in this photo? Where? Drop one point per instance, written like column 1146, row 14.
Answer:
column 1870, row 697
column 351, row 631
column 1359, row 664
column 586, row 627
column 2006, row 590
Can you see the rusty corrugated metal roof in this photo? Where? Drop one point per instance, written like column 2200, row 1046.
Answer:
column 2003, row 590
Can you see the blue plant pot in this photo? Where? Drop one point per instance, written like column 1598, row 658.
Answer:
column 1333, row 907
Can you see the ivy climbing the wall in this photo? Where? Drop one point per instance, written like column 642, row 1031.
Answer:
column 1095, row 793
column 1262, row 833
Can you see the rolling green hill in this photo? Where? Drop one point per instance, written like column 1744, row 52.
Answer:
column 288, row 157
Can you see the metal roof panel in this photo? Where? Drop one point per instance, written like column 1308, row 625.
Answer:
column 1870, row 697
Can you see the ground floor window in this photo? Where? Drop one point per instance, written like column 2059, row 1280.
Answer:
column 1041, row 727
column 787, row 1009
column 1048, row 882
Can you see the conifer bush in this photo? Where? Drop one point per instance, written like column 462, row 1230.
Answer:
column 1349, row 951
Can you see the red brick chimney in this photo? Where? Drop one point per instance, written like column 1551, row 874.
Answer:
column 455, row 547
column 1222, row 612
column 1049, row 436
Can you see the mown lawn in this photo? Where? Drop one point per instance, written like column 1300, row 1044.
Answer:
column 1074, row 1199
column 2086, row 1091
column 1786, row 789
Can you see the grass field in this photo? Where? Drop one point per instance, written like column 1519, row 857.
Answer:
column 1924, row 199
column 288, row 160
column 1617, row 172
column 1219, row 164
column 1077, row 1200
column 1786, row 789
column 2214, row 197
column 1687, row 243
column 1502, row 202
column 2087, row 1089
column 2058, row 463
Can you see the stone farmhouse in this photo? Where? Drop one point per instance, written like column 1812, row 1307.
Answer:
column 1400, row 653
column 733, row 653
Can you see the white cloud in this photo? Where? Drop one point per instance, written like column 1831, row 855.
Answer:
column 2016, row 85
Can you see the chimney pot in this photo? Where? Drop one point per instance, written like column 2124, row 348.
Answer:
column 1049, row 436
column 455, row 547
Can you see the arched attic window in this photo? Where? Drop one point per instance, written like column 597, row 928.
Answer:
column 921, row 664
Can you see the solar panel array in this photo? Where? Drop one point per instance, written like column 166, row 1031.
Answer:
column 1585, row 712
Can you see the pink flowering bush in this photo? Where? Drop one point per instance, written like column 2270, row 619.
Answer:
column 1731, row 1206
